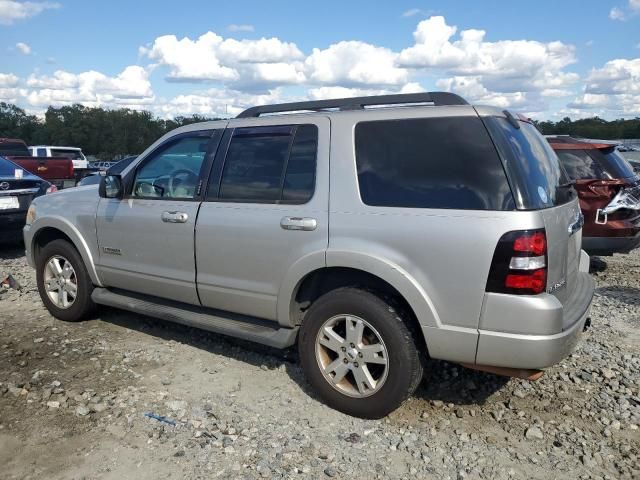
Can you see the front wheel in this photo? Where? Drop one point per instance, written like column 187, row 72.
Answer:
column 359, row 353
column 63, row 282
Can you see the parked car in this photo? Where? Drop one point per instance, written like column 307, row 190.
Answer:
column 57, row 170
column 609, row 192
column 17, row 189
column 74, row 153
column 371, row 237
column 115, row 169
column 102, row 165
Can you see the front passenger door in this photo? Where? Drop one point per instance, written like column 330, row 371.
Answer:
column 146, row 240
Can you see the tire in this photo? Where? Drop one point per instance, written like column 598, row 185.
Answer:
column 379, row 320
column 77, row 308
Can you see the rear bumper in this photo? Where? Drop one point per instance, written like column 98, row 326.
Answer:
column 609, row 245
column 535, row 351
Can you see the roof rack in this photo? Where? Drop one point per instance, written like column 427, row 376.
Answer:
column 357, row 103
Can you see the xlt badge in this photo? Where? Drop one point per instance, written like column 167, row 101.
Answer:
column 112, row 251
column 558, row 285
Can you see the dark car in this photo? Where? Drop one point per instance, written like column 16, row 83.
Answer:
column 609, row 193
column 115, row 169
column 18, row 188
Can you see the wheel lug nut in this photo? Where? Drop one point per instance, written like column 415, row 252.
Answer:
column 360, row 354
column 345, row 360
column 353, row 345
column 356, row 364
column 344, row 349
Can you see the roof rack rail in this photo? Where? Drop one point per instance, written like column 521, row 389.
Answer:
column 357, row 103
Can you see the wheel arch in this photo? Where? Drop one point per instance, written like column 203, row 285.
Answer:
column 53, row 228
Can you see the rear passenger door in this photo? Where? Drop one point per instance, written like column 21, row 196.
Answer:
column 266, row 210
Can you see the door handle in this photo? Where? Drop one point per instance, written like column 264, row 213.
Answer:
column 298, row 223
column 174, row 217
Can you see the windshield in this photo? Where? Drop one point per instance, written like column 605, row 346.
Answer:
column 614, row 163
column 532, row 167
column 73, row 154
column 14, row 149
column 7, row 168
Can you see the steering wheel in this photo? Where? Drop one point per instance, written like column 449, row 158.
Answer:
column 174, row 176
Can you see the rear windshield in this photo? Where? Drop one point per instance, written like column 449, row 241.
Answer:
column 7, row 168
column 615, row 164
column 14, row 149
column 532, row 166
column 579, row 165
column 67, row 153
column 430, row 163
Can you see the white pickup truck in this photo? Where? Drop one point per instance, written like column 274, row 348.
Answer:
column 74, row 153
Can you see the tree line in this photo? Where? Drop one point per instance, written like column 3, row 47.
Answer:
column 111, row 134
column 593, row 128
column 105, row 134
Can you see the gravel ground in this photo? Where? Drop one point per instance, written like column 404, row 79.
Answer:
column 73, row 399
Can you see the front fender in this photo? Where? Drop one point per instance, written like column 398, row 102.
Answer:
column 65, row 226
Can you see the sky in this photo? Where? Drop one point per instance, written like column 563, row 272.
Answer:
column 546, row 59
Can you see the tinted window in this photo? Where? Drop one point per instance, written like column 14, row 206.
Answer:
column 270, row 164
column 532, row 166
column 300, row 178
column 430, row 163
column 615, row 164
column 42, row 152
column 173, row 171
column 7, row 168
column 14, row 149
column 71, row 153
column 580, row 165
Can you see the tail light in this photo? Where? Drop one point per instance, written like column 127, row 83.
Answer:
column 70, row 169
column 52, row 189
column 519, row 264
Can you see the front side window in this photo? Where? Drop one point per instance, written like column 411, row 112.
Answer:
column 173, row 171
column 274, row 164
column 445, row 162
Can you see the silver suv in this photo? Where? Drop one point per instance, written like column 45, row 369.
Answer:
column 375, row 238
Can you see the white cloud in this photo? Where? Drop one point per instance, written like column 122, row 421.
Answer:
column 615, row 88
column 241, row 27
column 213, row 58
column 12, row 10
column 411, row 12
column 323, row 93
column 634, row 4
column 23, row 48
column 8, row 80
column 617, row 14
column 354, row 63
column 131, row 87
column 8, row 87
column 506, row 73
column 215, row 102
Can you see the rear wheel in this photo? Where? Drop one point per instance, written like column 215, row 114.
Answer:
column 359, row 353
column 63, row 282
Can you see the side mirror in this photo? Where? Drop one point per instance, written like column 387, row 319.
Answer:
column 111, row 187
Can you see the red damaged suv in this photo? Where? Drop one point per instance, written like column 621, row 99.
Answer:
column 609, row 194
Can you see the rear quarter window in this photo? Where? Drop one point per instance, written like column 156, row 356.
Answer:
column 446, row 162
column 579, row 165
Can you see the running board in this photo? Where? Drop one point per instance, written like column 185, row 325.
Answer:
column 217, row 321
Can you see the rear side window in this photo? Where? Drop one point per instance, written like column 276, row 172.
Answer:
column 430, row 163
column 532, row 166
column 274, row 164
column 71, row 153
column 579, row 165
